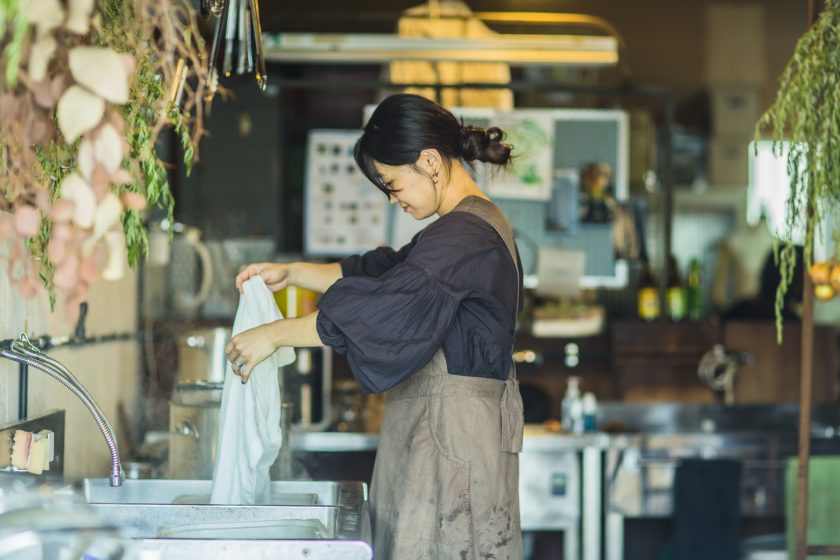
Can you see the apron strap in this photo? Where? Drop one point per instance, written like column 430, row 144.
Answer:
column 513, row 417
column 491, row 214
column 512, row 411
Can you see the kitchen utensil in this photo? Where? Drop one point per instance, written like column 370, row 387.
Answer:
column 201, row 355
column 228, row 256
column 173, row 269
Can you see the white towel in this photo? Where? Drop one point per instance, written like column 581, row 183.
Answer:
column 249, row 431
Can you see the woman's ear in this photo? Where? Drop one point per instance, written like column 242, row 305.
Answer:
column 429, row 160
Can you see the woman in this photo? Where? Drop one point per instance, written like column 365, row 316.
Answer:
column 432, row 326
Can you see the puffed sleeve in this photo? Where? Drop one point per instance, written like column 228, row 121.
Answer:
column 389, row 327
column 376, row 262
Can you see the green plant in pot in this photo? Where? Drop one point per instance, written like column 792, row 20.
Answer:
column 87, row 87
column 804, row 124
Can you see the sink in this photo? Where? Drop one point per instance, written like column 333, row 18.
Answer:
column 268, row 530
column 284, row 493
column 172, row 519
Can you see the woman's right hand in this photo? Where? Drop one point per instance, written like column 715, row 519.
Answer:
column 275, row 275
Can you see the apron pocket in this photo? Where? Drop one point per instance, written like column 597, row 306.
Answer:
column 438, row 508
column 435, row 423
column 454, row 515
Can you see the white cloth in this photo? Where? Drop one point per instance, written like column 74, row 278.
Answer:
column 249, row 431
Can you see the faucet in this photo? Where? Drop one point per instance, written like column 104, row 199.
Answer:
column 718, row 368
column 24, row 352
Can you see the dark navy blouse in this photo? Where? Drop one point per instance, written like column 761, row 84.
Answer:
column 454, row 286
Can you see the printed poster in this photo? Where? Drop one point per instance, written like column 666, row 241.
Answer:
column 529, row 176
column 344, row 213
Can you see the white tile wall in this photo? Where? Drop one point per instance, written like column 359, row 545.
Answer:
column 109, row 371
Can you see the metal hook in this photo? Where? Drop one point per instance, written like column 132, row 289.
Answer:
column 26, row 343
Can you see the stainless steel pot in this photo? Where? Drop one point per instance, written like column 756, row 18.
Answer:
column 194, row 429
column 194, row 415
column 201, row 356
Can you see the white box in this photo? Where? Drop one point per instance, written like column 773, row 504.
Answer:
column 735, row 44
column 735, row 109
column 728, row 160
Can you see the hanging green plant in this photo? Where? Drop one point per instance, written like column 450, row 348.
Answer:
column 804, row 124
column 87, row 89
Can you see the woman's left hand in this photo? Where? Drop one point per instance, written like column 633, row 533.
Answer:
column 249, row 348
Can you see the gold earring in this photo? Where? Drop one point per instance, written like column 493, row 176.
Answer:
column 435, row 177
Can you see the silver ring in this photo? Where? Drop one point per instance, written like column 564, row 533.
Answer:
column 239, row 366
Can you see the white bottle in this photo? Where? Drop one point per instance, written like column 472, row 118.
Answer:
column 576, row 412
column 590, row 412
column 572, row 407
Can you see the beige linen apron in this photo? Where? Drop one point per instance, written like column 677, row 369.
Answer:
column 446, row 479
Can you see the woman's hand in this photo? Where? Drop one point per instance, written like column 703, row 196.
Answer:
column 249, row 348
column 275, row 275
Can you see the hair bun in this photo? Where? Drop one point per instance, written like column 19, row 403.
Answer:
column 484, row 144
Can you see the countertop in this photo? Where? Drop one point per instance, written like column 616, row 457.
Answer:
column 536, row 439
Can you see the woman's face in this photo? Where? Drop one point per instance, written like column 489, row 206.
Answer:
column 411, row 188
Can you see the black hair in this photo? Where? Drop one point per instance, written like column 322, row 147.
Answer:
column 403, row 125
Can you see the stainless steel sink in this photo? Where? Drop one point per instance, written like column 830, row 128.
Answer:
column 284, row 493
column 171, row 519
column 146, row 521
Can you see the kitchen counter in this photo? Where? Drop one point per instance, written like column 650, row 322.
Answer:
column 334, row 441
column 536, row 438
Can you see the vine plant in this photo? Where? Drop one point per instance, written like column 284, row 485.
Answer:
column 804, row 124
column 87, row 88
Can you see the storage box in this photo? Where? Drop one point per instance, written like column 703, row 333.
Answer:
column 736, row 44
column 735, row 109
column 728, row 160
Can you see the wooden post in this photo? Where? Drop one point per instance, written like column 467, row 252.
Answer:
column 807, row 338
column 806, row 373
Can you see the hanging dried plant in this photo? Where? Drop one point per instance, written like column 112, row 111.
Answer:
column 87, row 89
column 806, row 116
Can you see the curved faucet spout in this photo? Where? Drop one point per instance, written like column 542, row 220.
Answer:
column 24, row 352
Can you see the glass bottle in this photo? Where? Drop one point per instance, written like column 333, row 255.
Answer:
column 571, row 407
column 694, row 291
column 676, row 292
column 647, row 296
